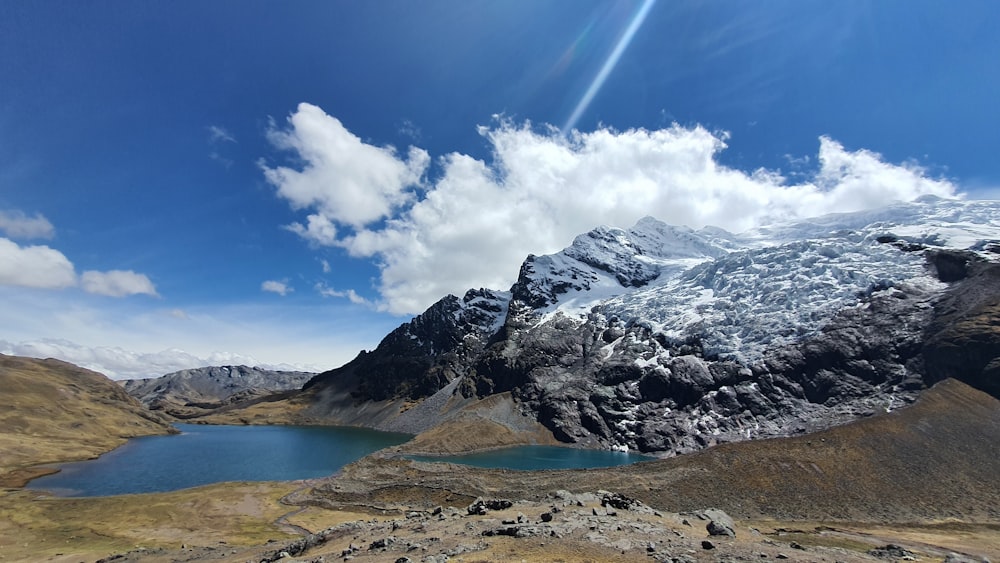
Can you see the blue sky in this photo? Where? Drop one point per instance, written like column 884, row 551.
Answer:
column 282, row 183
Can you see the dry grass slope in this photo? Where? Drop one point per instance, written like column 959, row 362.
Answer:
column 936, row 460
column 36, row 527
column 53, row 411
column 471, row 433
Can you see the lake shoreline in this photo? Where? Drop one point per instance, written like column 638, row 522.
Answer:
column 156, row 464
column 19, row 478
column 199, row 455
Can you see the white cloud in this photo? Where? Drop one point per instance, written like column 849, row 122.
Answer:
column 47, row 268
column 348, row 294
column 280, row 287
column 117, row 283
column 478, row 221
column 227, row 162
column 118, row 363
column 326, row 266
column 343, row 178
column 217, row 134
column 318, row 230
column 129, row 338
column 15, row 224
column 410, row 130
column 34, row 266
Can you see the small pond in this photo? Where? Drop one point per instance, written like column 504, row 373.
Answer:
column 541, row 457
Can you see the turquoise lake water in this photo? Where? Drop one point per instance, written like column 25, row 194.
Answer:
column 541, row 457
column 204, row 454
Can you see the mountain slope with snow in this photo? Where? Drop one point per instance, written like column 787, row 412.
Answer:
column 668, row 339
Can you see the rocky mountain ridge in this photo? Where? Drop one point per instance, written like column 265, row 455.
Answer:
column 187, row 392
column 667, row 339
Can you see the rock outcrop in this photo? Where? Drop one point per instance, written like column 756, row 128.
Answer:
column 422, row 356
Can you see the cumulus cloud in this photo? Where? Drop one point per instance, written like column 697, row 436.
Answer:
column 117, row 283
column 34, row 266
column 15, row 224
column 274, row 286
column 47, row 268
column 344, row 179
column 319, row 229
column 475, row 224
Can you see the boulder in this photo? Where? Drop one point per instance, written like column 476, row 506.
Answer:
column 719, row 523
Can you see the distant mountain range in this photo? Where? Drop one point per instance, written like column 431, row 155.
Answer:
column 665, row 339
column 191, row 392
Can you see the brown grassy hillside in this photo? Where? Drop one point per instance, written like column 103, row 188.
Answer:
column 935, row 460
column 53, row 411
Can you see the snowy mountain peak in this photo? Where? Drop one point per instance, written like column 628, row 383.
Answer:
column 661, row 240
column 608, row 261
column 930, row 220
column 668, row 339
column 743, row 293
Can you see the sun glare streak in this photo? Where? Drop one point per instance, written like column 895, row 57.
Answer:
column 564, row 61
column 609, row 65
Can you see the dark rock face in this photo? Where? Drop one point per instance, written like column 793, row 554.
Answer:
column 963, row 341
column 604, row 383
column 650, row 395
column 423, row 355
column 952, row 265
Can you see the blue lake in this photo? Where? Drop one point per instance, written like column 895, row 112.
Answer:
column 210, row 454
column 540, row 457
column 204, row 454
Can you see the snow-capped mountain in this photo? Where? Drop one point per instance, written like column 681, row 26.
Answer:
column 668, row 339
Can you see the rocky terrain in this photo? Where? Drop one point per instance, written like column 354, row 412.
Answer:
column 192, row 392
column 919, row 483
column 568, row 527
column 668, row 340
column 934, row 460
column 52, row 411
